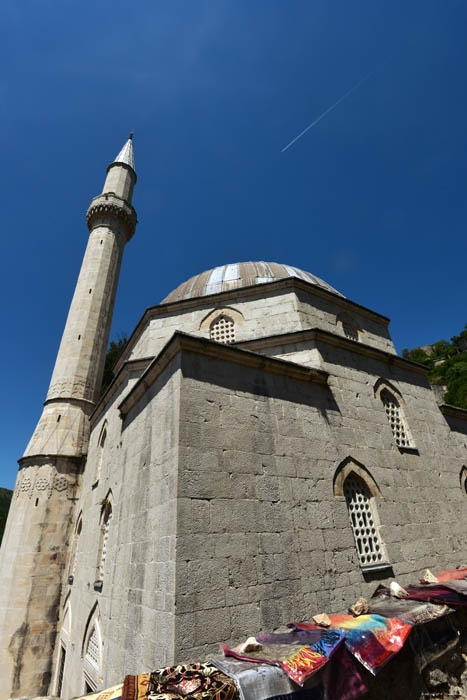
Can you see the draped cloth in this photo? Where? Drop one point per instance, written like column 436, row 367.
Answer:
column 449, row 593
column 192, row 682
column 300, row 655
column 451, row 575
column 113, row 693
column 372, row 639
column 412, row 611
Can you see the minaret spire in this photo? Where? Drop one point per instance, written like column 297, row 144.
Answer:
column 126, row 155
column 35, row 544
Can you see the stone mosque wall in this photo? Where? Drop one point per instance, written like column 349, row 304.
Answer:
column 224, row 470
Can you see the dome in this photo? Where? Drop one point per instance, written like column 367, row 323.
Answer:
column 227, row 277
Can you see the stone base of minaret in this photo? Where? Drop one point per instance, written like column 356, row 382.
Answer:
column 37, row 539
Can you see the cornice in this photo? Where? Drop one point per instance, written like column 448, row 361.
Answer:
column 454, row 411
column 111, row 205
column 317, row 334
column 129, row 366
column 221, row 298
column 182, row 342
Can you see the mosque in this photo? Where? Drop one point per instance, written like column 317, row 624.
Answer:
column 262, row 455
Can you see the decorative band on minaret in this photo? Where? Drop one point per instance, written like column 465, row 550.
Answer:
column 35, row 544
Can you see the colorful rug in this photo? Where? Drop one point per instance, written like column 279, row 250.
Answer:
column 372, row 639
column 299, row 655
column 196, row 681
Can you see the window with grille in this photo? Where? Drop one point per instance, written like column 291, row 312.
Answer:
column 100, row 452
column 222, row 330
column 74, row 551
column 105, row 537
column 350, row 331
column 368, row 542
column 92, row 651
column 396, row 419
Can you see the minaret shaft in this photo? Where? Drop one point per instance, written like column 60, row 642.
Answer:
column 34, row 551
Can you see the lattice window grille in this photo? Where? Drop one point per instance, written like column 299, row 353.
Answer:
column 223, row 330
column 350, row 331
column 396, row 421
column 367, row 539
column 75, row 548
column 92, row 651
column 105, row 538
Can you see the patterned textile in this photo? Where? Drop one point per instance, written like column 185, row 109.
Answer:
column 113, row 693
column 135, row 687
column 195, row 681
column 411, row 611
column 372, row 639
column 300, row 659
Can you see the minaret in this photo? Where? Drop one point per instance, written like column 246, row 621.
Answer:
column 35, row 543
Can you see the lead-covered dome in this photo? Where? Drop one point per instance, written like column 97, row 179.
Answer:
column 227, row 277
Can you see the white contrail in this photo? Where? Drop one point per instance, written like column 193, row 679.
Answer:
column 329, row 109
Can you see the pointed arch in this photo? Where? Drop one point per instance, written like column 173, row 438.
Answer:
column 92, row 650
column 354, row 484
column 221, row 324
column 104, row 530
column 100, row 451
column 393, row 404
column 75, row 547
column 346, row 467
column 63, row 641
column 349, row 326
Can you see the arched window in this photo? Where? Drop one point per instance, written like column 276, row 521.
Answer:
column 362, row 518
column 222, row 330
column 396, row 418
column 463, row 480
column 63, row 640
column 348, row 324
column 354, row 484
column 350, row 331
column 100, row 452
column 74, row 549
column 106, row 519
column 92, row 653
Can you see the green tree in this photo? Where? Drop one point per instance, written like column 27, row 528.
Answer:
column 5, row 499
column 446, row 366
column 114, row 351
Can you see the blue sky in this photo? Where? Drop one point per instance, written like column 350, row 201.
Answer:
column 373, row 199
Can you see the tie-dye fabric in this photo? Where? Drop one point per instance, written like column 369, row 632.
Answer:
column 372, row 639
column 451, row 575
column 300, row 659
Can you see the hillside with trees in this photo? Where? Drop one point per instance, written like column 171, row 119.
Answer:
column 5, row 499
column 447, row 366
